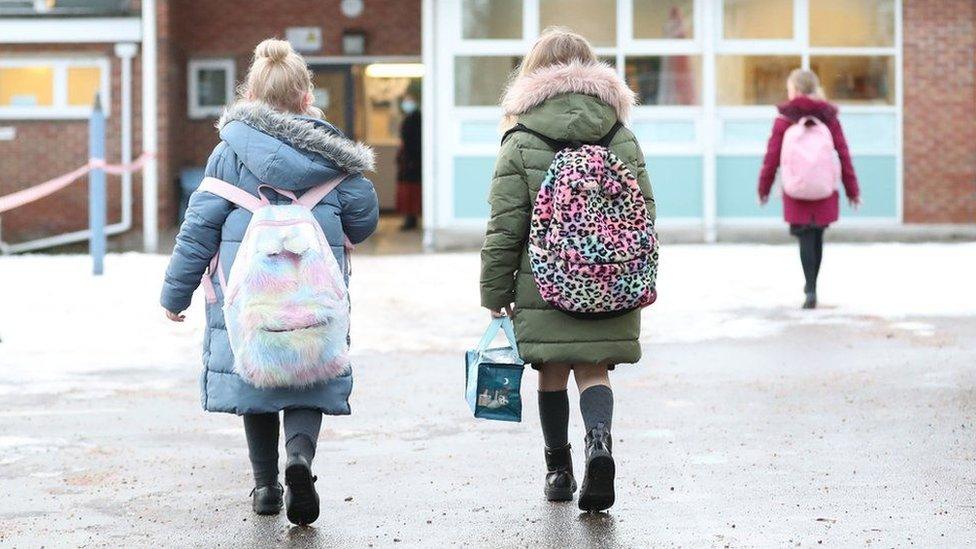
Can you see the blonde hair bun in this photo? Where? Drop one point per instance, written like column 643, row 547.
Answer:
column 273, row 50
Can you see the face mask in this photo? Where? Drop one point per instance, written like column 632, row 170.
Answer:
column 408, row 106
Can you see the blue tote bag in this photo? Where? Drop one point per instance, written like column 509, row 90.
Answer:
column 493, row 376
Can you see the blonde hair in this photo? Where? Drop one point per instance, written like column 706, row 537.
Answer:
column 279, row 77
column 806, row 82
column 556, row 46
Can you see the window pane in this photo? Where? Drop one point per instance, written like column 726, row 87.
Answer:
column 665, row 80
column 83, row 84
column 594, row 19
column 758, row 19
column 857, row 79
column 26, row 86
column 480, row 80
column 852, row 23
column 491, row 19
column 753, row 79
column 211, row 87
column 664, row 19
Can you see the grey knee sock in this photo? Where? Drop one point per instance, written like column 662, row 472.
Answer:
column 596, row 405
column 262, row 447
column 554, row 416
column 302, row 431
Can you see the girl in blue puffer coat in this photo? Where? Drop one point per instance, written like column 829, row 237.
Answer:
column 272, row 136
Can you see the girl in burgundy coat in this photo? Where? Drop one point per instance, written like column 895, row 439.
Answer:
column 808, row 218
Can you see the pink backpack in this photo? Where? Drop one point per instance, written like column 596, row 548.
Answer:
column 808, row 162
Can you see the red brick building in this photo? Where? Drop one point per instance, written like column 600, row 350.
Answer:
column 55, row 54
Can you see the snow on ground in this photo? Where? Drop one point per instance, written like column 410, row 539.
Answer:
column 57, row 322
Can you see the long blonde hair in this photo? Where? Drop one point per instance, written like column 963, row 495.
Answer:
column 555, row 46
column 806, row 82
column 279, row 77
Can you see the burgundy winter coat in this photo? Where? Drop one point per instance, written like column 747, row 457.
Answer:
column 805, row 212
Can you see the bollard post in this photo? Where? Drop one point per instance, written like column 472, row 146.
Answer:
column 96, row 188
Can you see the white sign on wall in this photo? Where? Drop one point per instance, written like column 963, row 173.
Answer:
column 8, row 133
column 304, row 39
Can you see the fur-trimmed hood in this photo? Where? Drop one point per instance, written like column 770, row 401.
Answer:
column 297, row 141
column 598, row 80
column 804, row 105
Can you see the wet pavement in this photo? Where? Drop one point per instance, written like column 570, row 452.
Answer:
column 841, row 435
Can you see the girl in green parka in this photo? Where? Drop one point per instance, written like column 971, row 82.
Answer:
column 561, row 91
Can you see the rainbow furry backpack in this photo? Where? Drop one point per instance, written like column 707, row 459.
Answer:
column 286, row 306
column 592, row 246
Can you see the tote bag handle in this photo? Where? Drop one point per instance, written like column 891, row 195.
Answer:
column 505, row 324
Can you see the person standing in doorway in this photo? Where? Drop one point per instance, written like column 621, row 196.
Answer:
column 409, row 163
column 808, row 121
column 563, row 94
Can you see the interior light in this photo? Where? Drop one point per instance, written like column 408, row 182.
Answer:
column 395, row 70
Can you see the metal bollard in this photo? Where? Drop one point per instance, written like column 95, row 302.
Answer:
column 96, row 188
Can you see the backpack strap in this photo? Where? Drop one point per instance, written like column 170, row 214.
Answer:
column 232, row 193
column 315, row 195
column 559, row 144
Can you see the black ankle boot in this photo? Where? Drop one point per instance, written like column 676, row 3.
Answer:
column 811, row 300
column 597, row 492
column 560, row 483
column 266, row 500
column 301, row 500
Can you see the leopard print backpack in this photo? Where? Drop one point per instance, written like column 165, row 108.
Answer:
column 592, row 246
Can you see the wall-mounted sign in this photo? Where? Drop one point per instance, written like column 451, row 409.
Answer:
column 304, row 39
column 354, row 43
column 8, row 133
column 352, row 8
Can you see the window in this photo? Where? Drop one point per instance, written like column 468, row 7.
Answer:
column 856, row 78
column 665, row 80
column 211, row 86
column 594, row 19
column 757, row 19
column 664, row 20
column 481, row 80
column 51, row 88
column 491, row 19
column 753, row 79
column 852, row 23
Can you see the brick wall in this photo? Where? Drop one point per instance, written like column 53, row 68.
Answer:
column 940, row 111
column 185, row 29
column 220, row 28
column 44, row 149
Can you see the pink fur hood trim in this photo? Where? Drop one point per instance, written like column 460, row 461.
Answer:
column 597, row 79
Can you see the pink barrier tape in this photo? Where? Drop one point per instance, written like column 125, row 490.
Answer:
column 51, row 186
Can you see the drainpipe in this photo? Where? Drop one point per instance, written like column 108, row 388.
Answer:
column 125, row 53
column 150, row 186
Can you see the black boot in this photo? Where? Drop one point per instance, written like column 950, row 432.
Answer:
column 560, row 483
column 811, row 300
column 301, row 500
column 597, row 492
column 266, row 500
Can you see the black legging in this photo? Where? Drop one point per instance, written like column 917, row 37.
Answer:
column 301, row 434
column 811, row 252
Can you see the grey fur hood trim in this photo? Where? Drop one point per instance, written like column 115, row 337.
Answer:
column 302, row 133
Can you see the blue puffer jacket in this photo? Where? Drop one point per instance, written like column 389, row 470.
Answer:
column 262, row 146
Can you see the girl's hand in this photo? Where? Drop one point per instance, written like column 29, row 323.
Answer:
column 855, row 202
column 508, row 311
column 175, row 317
column 763, row 199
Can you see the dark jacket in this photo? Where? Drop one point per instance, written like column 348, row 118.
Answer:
column 262, row 146
column 409, row 160
column 806, row 212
